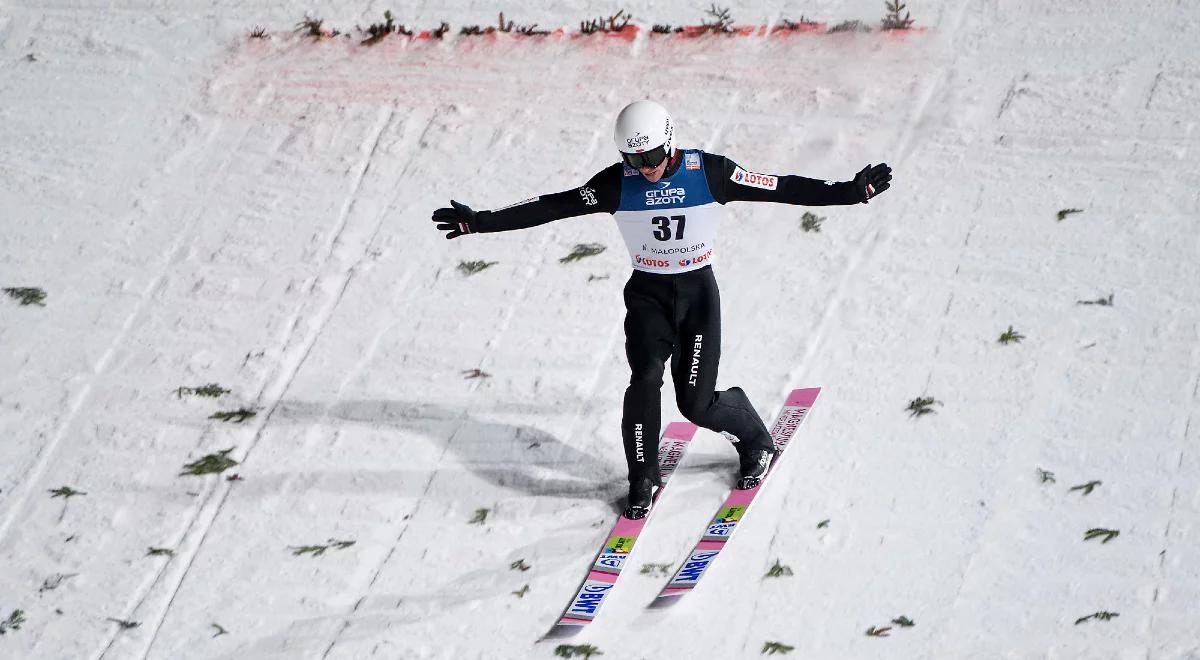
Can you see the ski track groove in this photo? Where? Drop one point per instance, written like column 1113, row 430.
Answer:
column 149, row 295
column 501, row 329
column 173, row 258
column 867, row 250
column 286, row 374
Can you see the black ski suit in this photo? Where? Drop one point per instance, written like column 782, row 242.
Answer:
column 673, row 316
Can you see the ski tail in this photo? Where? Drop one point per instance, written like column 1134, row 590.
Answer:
column 737, row 503
column 618, row 545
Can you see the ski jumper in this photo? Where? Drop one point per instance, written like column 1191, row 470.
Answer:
column 673, row 306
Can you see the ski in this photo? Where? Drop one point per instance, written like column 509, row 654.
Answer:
column 619, row 543
column 734, row 509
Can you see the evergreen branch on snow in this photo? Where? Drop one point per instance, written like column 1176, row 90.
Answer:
column 13, row 622
column 722, row 20
column 377, row 31
column 469, row 268
column 1086, row 488
column 27, row 295
column 1097, row 532
column 778, row 570
column 519, row 565
column 804, row 23
column 1011, row 336
column 54, row 581
column 581, row 251
column 236, row 416
column 210, row 464
column 160, row 552
column 65, row 492
column 212, row 390
column 922, row 406
column 472, row 374
column 480, row 517
column 614, row 23
column 220, row 629
column 893, row 20
column 520, row 593
column 903, row 621
column 772, row 648
column 661, row 570
column 318, row 550
column 665, row 29
column 315, row 28
column 878, row 632
column 1099, row 616
column 1062, row 214
column 125, row 624
column 259, row 33
column 811, row 222
column 849, row 26
column 1103, row 302
column 1046, row 476
column 823, row 524
column 576, row 651
column 441, row 31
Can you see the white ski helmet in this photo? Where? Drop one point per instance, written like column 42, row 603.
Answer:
column 641, row 128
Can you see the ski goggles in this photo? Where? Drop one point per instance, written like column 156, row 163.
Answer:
column 652, row 158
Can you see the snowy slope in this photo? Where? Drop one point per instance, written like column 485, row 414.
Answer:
column 203, row 208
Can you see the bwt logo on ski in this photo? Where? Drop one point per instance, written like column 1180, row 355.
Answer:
column 698, row 260
column 589, row 598
column 694, row 568
column 695, row 372
column 665, row 195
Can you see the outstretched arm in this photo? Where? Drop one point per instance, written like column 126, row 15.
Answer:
column 602, row 193
column 730, row 183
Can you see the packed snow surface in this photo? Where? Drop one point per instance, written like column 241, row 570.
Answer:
column 202, row 207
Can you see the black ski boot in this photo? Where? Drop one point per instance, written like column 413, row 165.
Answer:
column 752, row 465
column 641, row 497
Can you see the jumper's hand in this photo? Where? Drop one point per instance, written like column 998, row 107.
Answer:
column 457, row 220
column 872, row 180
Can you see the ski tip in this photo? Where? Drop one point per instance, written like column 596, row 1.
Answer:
column 560, row 631
column 680, row 431
column 664, row 601
column 804, row 397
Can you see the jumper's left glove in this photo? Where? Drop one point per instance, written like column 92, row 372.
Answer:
column 456, row 220
column 872, row 180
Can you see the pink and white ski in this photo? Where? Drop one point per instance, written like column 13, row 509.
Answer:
column 619, row 543
column 733, row 511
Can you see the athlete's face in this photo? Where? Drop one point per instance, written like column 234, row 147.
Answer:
column 653, row 174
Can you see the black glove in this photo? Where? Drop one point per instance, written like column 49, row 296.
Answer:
column 455, row 221
column 872, row 180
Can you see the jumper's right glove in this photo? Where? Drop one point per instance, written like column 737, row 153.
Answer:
column 457, row 220
column 871, row 181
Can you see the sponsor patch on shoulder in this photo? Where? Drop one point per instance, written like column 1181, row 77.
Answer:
column 527, row 201
column 629, row 171
column 692, row 161
column 754, row 179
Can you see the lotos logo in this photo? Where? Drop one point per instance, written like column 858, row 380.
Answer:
column 754, row 179
column 652, row 263
column 638, row 140
column 698, row 260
